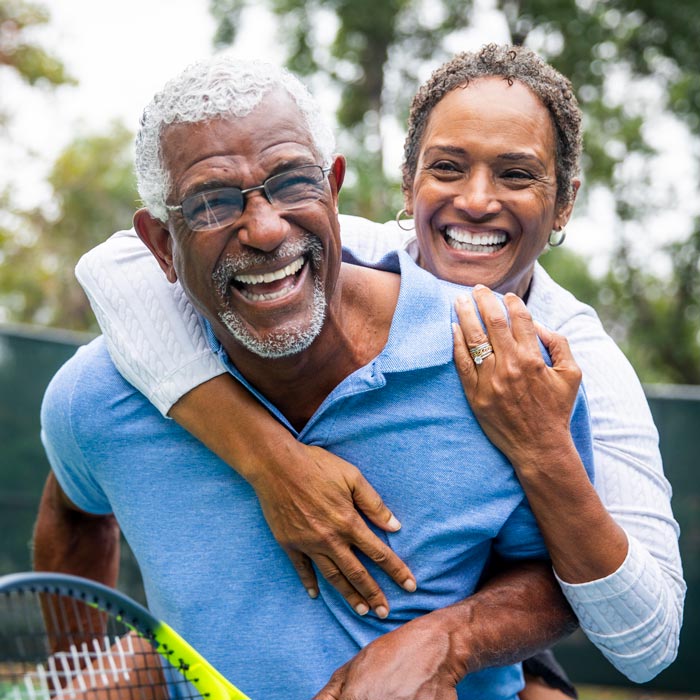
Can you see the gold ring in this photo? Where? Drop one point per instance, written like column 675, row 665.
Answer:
column 481, row 352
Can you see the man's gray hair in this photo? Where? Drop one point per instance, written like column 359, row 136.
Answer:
column 215, row 87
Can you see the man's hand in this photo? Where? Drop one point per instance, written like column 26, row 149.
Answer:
column 313, row 509
column 517, row 612
column 413, row 662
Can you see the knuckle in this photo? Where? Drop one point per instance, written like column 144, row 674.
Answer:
column 475, row 337
column 576, row 375
column 356, row 575
column 302, row 565
column 375, row 503
column 380, row 557
column 497, row 321
column 333, row 575
column 519, row 311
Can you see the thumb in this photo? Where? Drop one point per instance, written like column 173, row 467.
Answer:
column 557, row 346
column 333, row 689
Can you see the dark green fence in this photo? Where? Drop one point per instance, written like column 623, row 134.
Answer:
column 676, row 411
column 29, row 358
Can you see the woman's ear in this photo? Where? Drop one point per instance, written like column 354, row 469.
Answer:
column 156, row 237
column 564, row 214
column 408, row 202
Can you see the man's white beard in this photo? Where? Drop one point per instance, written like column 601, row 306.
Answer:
column 291, row 339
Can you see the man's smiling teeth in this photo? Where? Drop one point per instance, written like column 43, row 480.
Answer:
column 476, row 242
column 290, row 269
column 268, row 277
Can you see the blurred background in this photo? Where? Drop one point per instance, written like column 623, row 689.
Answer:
column 75, row 75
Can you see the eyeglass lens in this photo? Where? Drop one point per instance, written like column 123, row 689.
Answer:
column 213, row 209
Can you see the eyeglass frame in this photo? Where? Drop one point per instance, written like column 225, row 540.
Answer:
column 256, row 188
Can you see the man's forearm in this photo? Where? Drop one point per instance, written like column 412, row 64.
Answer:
column 517, row 612
column 70, row 541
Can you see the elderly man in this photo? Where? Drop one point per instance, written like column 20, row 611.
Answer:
column 240, row 187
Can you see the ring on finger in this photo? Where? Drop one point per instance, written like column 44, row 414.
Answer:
column 481, row 352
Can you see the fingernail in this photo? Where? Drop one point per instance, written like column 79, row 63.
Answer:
column 393, row 524
column 479, row 286
column 381, row 612
column 313, row 593
column 361, row 609
column 409, row 585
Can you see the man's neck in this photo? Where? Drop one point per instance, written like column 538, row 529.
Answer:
column 355, row 331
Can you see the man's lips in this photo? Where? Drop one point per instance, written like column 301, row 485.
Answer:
column 267, row 286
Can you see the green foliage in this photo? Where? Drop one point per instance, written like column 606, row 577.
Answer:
column 377, row 51
column 656, row 321
column 32, row 63
column 373, row 40
column 94, row 194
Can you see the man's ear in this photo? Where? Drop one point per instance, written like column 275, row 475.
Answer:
column 564, row 214
column 157, row 239
column 337, row 174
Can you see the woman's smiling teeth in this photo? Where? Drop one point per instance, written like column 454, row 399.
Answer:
column 474, row 242
column 269, row 285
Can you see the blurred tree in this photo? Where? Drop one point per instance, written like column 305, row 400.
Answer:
column 375, row 51
column 372, row 59
column 18, row 51
column 650, row 42
column 94, row 194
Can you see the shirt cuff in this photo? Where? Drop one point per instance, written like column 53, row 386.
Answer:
column 171, row 389
column 613, row 604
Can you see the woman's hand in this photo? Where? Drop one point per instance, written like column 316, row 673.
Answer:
column 312, row 502
column 522, row 404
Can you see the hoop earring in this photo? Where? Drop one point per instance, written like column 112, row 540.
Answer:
column 399, row 214
column 556, row 238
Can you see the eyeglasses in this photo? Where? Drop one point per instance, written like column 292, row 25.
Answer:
column 292, row 189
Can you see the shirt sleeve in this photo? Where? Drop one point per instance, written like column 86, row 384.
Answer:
column 62, row 446
column 153, row 334
column 633, row 616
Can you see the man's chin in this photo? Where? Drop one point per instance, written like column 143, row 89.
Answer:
column 275, row 344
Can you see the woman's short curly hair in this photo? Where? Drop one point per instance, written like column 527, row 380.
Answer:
column 510, row 63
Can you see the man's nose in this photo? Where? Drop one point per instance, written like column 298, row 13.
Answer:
column 261, row 226
column 478, row 195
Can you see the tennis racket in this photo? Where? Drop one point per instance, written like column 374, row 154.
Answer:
column 67, row 638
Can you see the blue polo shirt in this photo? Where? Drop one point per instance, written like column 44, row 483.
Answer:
column 211, row 568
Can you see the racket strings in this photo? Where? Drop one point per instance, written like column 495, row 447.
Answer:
column 54, row 647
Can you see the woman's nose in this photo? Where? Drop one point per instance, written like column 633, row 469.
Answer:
column 478, row 195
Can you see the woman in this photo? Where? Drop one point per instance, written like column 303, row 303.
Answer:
column 490, row 169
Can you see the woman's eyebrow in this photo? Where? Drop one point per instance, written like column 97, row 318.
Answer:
column 447, row 149
column 520, row 156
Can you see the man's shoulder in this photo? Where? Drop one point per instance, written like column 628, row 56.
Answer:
column 86, row 389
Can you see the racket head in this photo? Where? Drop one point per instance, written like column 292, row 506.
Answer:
column 63, row 637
